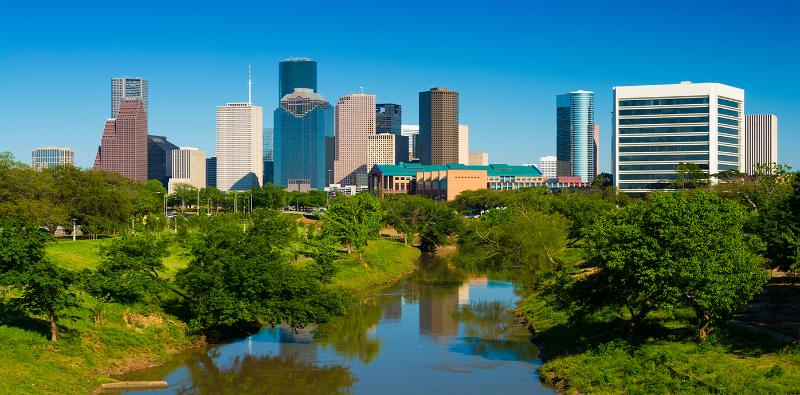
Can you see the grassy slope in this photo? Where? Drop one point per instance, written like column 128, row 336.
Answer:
column 387, row 261
column 595, row 357
column 85, row 254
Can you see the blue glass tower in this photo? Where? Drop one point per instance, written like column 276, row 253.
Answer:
column 303, row 132
column 575, row 144
column 296, row 73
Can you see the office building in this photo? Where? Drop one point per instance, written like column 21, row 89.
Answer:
column 159, row 160
column 296, row 73
column 269, row 176
column 656, row 127
column 575, row 134
column 388, row 118
column 463, row 144
column 412, row 133
column 596, row 150
column 211, row 172
column 127, row 88
column 438, row 141
column 188, row 167
column 548, row 164
column 355, row 124
column 478, row 159
column 303, row 139
column 44, row 157
column 123, row 147
column 240, row 133
column 382, row 148
column 760, row 141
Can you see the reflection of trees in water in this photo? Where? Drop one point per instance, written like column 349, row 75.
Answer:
column 491, row 332
column 250, row 374
column 348, row 334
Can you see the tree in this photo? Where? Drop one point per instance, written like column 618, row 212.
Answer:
column 420, row 216
column 185, row 192
column 353, row 220
column 690, row 176
column 270, row 196
column 602, row 181
column 129, row 269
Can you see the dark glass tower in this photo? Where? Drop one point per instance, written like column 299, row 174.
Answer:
column 388, row 118
column 159, row 158
column 575, row 128
column 296, row 73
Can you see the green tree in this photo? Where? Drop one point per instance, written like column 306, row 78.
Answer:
column 690, row 176
column 353, row 220
column 186, row 193
column 602, row 181
column 418, row 216
column 129, row 269
column 270, row 196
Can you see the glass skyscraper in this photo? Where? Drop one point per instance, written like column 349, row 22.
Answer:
column 296, row 73
column 159, row 158
column 575, row 143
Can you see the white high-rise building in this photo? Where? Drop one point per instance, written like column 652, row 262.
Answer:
column 411, row 131
column 761, row 141
column 463, row 144
column 127, row 88
column 188, row 167
column 240, row 161
column 44, row 157
column 355, row 123
column 656, row 127
column 548, row 166
column 381, row 149
column 478, row 159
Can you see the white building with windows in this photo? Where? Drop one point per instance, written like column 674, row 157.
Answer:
column 240, row 159
column 548, row 166
column 656, row 127
column 761, row 135
column 463, row 144
column 381, row 150
column 188, row 166
column 44, row 157
column 127, row 88
column 412, row 132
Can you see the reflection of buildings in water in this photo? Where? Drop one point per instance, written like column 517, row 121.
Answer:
column 437, row 309
column 481, row 282
column 392, row 307
column 297, row 346
column 472, row 282
column 463, row 294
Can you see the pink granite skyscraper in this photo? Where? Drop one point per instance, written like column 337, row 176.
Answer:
column 355, row 122
column 123, row 147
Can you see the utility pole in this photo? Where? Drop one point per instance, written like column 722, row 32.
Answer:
column 74, row 229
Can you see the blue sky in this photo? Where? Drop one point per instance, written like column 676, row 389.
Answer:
column 508, row 59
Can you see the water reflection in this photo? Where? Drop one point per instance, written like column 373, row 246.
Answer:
column 442, row 331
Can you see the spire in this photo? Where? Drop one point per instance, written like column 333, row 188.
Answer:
column 249, row 86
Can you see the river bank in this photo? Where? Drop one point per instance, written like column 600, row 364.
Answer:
column 103, row 339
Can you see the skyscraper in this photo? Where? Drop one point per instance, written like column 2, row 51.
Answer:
column 127, row 88
column 382, row 148
column 656, row 127
column 296, row 73
column 188, row 167
column 760, row 141
column 123, row 147
column 44, row 157
column 240, row 160
column 478, row 159
column 412, row 132
column 269, row 155
column 388, row 118
column 438, row 127
column 575, row 135
column 159, row 161
column 355, row 123
column 303, row 131
column 596, row 150
column 211, row 172
column 463, row 144
column 548, row 166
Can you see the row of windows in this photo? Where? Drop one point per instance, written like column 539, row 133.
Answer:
column 650, row 176
column 725, row 148
column 729, row 140
column 667, row 111
column 726, row 102
column 725, row 111
column 648, row 185
column 663, row 102
column 664, row 148
column 728, row 158
column 727, row 121
column 723, row 167
column 639, row 121
column 663, row 139
column 730, row 131
column 660, row 166
column 663, row 158
column 665, row 129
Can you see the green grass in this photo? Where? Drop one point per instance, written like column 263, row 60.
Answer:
column 597, row 357
column 386, row 261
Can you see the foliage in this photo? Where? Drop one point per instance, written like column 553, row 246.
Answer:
column 603, row 180
column 270, row 196
column 476, row 202
column 422, row 217
column 690, row 176
column 353, row 220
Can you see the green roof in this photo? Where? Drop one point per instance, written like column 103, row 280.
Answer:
column 499, row 169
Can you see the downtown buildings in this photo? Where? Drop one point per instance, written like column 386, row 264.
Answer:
column 355, row 125
column 760, row 141
column 656, row 127
column 575, row 135
column 123, row 147
column 240, row 161
column 188, row 167
column 548, row 166
column 159, row 160
column 44, row 157
column 438, row 139
column 127, row 88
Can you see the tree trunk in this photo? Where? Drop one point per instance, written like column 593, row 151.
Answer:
column 53, row 327
column 703, row 324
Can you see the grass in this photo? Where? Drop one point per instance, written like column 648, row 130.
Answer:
column 596, row 356
column 386, row 261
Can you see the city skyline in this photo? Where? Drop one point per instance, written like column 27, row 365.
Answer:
column 482, row 67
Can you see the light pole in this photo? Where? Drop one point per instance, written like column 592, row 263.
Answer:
column 74, row 228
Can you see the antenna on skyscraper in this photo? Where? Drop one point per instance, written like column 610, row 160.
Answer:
column 361, row 88
column 249, row 86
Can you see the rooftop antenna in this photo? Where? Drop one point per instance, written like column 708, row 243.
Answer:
column 249, row 86
column 361, row 88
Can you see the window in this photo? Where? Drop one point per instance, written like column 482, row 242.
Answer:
column 665, row 111
column 728, row 121
column 664, row 129
column 725, row 148
column 663, row 139
column 726, row 102
column 725, row 111
column 729, row 140
column 728, row 158
column 663, row 102
column 663, row 158
column 723, row 167
column 640, row 121
column 663, row 148
column 648, row 176
column 650, row 185
column 661, row 166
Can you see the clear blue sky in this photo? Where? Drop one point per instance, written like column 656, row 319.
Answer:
column 508, row 59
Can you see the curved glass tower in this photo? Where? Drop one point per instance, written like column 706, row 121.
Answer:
column 296, row 73
column 575, row 145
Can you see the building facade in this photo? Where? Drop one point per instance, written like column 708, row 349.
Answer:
column 159, row 161
column 127, row 88
column 388, row 118
column 296, row 73
column 463, row 144
column 303, row 139
column 478, row 159
column 438, row 141
column 548, row 165
column 412, row 133
column 211, row 172
column 123, row 147
column 381, row 150
column 269, row 155
column 656, row 127
column 355, row 125
column 761, row 141
column 44, row 157
column 188, row 167
column 575, row 142
column 240, row 158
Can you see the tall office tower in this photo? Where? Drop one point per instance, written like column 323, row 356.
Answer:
column 355, row 123
column 381, row 149
column 478, row 159
column 188, row 167
column 656, row 127
column 596, row 150
column 463, row 144
column 159, row 162
column 44, row 157
column 412, row 132
column 240, row 160
column 211, row 172
column 388, row 118
column 575, row 135
column 123, row 147
column 303, row 136
column 760, row 141
column 269, row 159
column 438, row 127
column 296, row 73
column 127, row 88
column 548, row 166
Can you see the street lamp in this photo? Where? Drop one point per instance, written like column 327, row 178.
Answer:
column 74, row 228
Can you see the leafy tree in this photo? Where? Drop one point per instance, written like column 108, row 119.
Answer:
column 353, row 220
column 476, row 202
column 324, row 252
column 129, row 269
column 690, row 176
column 433, row 223
column 270, row 196
column 185, row 192
column 602, row 181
